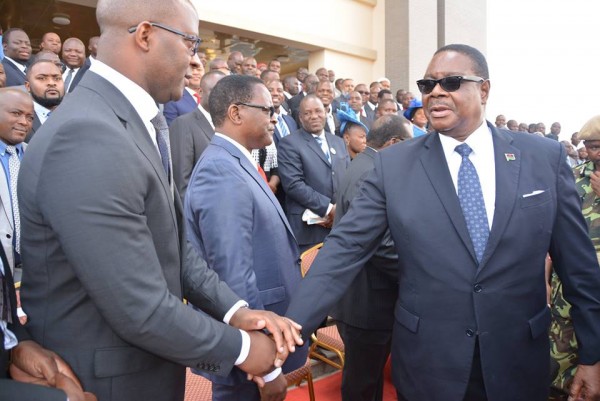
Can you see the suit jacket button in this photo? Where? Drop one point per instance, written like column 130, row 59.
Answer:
column 470, row 333
column 477, row 288
column 7, row 235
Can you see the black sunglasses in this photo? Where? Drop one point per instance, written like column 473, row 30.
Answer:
column 449, row 84
column 193, row 39
column 267, row 109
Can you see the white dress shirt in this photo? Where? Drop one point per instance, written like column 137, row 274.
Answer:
column 41, row 112
column 20, row 66
column 206, row 114
column 482, row 158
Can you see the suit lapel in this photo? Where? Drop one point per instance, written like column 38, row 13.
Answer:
column 314, row 146
column 205, row 126
column 507, row 180
column 134, row 125
column 434, row 163
column 254, row 175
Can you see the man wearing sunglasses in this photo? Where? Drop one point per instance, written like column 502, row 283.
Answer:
column 102, row 228
column 473, row 212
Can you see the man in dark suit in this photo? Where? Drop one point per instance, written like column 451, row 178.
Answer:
column 309, row 85
column 471, row 319
column 191, row 133
column 73, row 54
column 235, row 222
column 311, row 164
column 191, row 94
column 30, row 362
column 365, row 314
column 285, row 124
column 47, row 89
column 17, row 52
column 102, row 237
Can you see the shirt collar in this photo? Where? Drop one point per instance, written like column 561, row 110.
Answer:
column 242, row 149
column 141, row 101
column 41, row 110
column 3, row 146
column 478, row 141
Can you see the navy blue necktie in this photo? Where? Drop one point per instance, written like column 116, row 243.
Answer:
column 471, row 201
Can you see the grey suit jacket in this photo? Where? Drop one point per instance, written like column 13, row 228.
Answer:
column 102, row 235
column 309, row 180
column 369, row 302
column 190, row 134
column 446, row 301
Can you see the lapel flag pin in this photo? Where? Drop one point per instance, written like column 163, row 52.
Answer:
column 510, row 157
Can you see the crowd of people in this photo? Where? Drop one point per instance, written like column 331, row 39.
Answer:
column 133, row 181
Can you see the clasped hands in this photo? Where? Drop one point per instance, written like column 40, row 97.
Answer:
column 266, row 352
column 36, row 365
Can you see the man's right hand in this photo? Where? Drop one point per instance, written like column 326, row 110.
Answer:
column 261, row 357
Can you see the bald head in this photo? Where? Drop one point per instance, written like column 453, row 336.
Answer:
column 388, row 130
column 207, row 84
column 136, row 48
column 16, row 115
column 119, row 14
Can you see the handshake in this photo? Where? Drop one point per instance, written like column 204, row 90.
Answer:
column 267, row 352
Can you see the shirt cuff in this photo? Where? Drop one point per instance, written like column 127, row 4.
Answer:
column 272, row 376
column 245, row 349
column 239, row 304
column 328, row 209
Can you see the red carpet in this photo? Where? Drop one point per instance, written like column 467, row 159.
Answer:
column 328, row 389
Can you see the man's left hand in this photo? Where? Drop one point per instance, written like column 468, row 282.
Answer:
column 285, row 332
column 275, row 390
column 586, row 384
column 33, row 364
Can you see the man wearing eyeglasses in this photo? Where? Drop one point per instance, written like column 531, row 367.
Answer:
column 235, row 222
column 473, row 212
column 102, row 231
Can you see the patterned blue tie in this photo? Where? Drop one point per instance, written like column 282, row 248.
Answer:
column 283, row 129
column 323, row 147
column 471, row 201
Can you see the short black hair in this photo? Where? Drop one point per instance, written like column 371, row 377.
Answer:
column 230, row 90
column 383, row 92
column 7, row 33
column 480, row 66
column 388, row 127
column 36, row 62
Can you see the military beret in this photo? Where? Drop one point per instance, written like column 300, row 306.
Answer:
column 591, row 130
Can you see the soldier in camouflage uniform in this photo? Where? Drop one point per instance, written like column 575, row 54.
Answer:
column 562, row 335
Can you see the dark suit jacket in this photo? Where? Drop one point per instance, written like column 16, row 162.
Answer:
column 14, row 76
column 16, row 391
column 370, row 112
column 236, row 224
column 369, row 302
column 294, row 104
column 309, row 180
column 35, row 126
column 190, row 134
column 80, row 73
column 107, row 259
column 185, row 105
column 446, row 302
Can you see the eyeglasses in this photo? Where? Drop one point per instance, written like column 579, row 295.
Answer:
column 266, row 109
column 364, row 92
column 193, row 39
column 449, row 84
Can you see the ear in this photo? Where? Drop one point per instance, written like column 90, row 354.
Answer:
column 143, row 35
column 233, row 114
column 485, row 91
column 27, row 86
